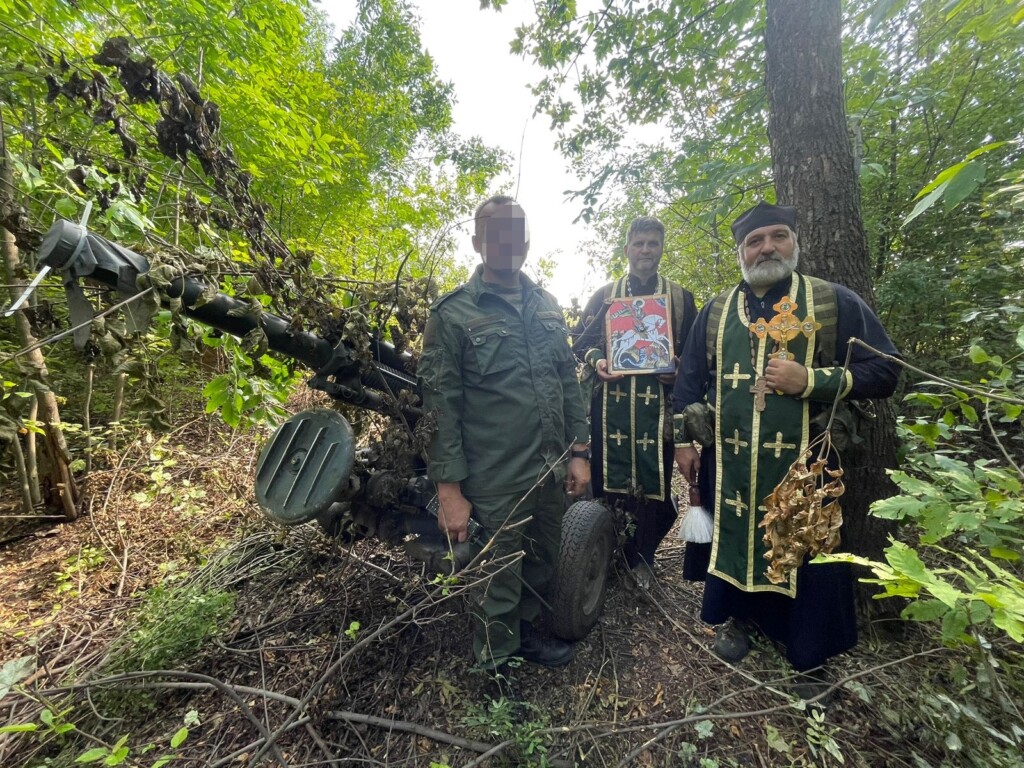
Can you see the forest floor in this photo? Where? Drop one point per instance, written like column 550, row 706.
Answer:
column 172, row 602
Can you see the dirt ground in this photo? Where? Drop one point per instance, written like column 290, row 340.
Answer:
column 352, row 655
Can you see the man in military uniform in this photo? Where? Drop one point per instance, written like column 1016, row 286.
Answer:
column 498, row 373
column 631, row 416
column 765, row 397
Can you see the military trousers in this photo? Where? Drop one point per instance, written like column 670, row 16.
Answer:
column 502, row 601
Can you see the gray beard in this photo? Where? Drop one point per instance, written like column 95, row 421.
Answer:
column 768, row 273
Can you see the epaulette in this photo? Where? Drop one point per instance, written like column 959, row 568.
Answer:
column 444, row 297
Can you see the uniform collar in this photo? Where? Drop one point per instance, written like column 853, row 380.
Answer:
column 477, row 287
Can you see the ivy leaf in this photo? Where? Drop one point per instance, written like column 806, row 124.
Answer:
column 14, row 671
column 66, row 207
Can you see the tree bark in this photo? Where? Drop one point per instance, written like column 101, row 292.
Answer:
column 61, row 481
column 812, row 158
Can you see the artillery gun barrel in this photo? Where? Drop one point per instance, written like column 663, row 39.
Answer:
column 228, row 314
column 77, row 253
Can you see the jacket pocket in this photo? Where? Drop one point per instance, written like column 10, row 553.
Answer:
column 556, row 340
column 489, row 350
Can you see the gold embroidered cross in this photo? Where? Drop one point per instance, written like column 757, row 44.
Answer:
column 736, row 443
column 736, row 377
column 646, row 442
column 618, row 437
column 737, row 503
column 647, row 396
column 617, row 393
column 778, row 445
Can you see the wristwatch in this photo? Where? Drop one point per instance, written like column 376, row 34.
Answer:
column 584, row 454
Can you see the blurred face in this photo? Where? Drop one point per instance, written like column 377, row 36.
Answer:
column 644, row 251
column 768, row 254
column 503, row 237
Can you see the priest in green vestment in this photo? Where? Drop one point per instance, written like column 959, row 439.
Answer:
column 631, row 415
column 765, row 394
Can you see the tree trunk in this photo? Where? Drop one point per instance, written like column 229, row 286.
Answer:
column 61, row 481
column 812, row 158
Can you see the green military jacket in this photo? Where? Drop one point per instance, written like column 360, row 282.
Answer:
column 502, row 384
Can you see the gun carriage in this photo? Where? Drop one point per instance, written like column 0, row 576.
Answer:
column 312, row 469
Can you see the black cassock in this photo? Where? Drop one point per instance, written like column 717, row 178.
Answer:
column 820, row 621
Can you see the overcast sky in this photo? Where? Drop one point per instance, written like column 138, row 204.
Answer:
column 471, row 50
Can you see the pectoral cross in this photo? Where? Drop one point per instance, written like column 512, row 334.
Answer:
column 759, row 389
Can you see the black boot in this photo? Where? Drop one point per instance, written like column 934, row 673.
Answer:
column 540, row 648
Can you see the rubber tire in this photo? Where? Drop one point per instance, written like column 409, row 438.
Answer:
column 584, row 559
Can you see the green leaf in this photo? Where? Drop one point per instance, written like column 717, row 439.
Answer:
column 117, row 757
column 14, row 671
column 776, row 741
column 966, row 180
column 987, row 148
column 954, row 625
column 977, row 354
column 179, row 738
column 66, row 207
column 1005, row 553
column 925, row 610
column 93, row 755
column 19, row 728
column 926, row 203
column 704, row 729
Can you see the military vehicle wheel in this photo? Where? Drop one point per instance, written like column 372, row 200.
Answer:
column 588, row 540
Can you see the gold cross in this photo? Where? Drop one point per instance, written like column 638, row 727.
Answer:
column 735, row 377
column 647, row 396
column 738, row 503
column 736, row 442
column 617, row 392
column 760, row 389
column 778, row 445
column 646, row 442
column 618, row 437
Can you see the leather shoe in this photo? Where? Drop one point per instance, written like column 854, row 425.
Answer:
column 643, row 575
column 545, row 650
column 811, row 685
column 731, row 642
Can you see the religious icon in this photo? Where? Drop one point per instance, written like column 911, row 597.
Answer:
column 639, row 334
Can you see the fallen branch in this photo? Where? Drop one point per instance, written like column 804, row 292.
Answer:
column 413, row 728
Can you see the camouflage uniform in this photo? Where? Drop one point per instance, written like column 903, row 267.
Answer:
column 498, row 373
